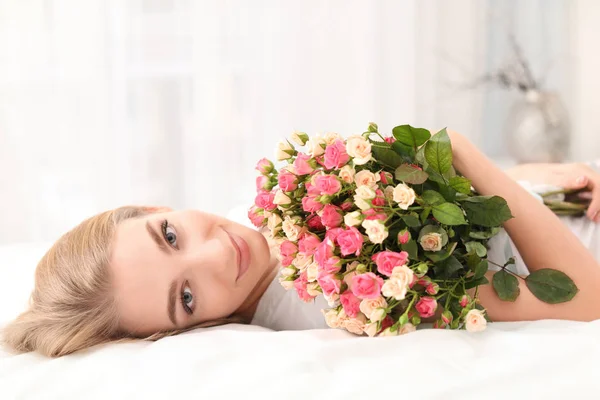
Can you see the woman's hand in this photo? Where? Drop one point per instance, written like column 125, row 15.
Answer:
column 572, row 176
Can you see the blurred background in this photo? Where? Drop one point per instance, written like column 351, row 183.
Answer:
column 171, row 102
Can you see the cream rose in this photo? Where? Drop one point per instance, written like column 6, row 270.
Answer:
column 347, row 174
column 378, row 315
column 366, row 178
column 331, row 137
column 388, row 193
column 355, row 325
column 371, row 329
column 291, row 230
column 376, row 230
column 407, row 328
column 313, row 289
column 284, row 151
column 281, row 198
column 431, row 241
column 286, row 284
column 475, row 321
column 359, row 149
column 403, row 274
column 332, row 318
column 367, row 306
column 274, row 223
column 348, row 279
column 302, row 261
column 299, row 138
column 312, row 271
column 333, row 300
column 393, row 287
column 404, row 196
column 314, row 146
column 388, row 332
column 288, row 271
column 363, row 194
column 353, row 219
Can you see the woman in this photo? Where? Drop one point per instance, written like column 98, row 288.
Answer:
column 139, row 272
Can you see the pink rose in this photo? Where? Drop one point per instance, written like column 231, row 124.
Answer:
column 432, row 288
column 314, row 222
column 374, row 216
column 302, row 164
column 366, row 286
column 328, row 184
column 324, row 252
column 350, row 241
column 426, row 307
column 300, row 285
column 386, row 323
column 464, row 300
column 390, row 140
column 263, row 183
column 336, row 155
column 264, row 166
column 333, row 234
column 347, row 205
column 350, row 303
column 329, row 284
column 310, row 204
column 265, row 200
column 308, row 244
column 387, row 260
column 331, row 216
column 386, row 178
column 288, row 248
column 332, row 265
column 379, row 200
column 403, row 236
column 255, row 216
column 287, row 181
column 311, row 189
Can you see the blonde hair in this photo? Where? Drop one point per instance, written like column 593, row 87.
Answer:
column 72, row 306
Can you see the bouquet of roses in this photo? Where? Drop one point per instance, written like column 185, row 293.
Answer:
column 387, row 231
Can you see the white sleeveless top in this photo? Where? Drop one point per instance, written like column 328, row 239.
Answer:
column 281, row 309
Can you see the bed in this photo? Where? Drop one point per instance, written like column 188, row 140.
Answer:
column 544, row 359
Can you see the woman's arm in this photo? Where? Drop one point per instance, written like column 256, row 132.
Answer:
column 540, row 237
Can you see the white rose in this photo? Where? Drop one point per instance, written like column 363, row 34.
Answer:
column 431, row 241
column 290, row 168
column 403, row 274
column 388, row 332
column 286, row 284
column 353, row 219
column 291, row 230
column 359, row 149
column 367, row 306
column 312, row 271
column 363, row 194
column 407, row 328
column 371, row 329
column 331, row 137
column 378, row 315
column 332, row 318
column 394, row 288
column 333, row 300
column 313, row 289
column 284, row 151
column 404, row 196
column 314, row 146
column 366, row 178
column 302, row 261
column 388, row 193
column 274, row 223
column 288, row 271
column 475, row 321
column 347, row 174
column 355, row 325
column 299, row 138
column 281, row 198
column 376, row 230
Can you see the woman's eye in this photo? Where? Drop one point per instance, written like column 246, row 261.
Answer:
column 187, row 299
column 169, row 234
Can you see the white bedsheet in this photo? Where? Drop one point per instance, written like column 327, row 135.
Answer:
column 544, row 359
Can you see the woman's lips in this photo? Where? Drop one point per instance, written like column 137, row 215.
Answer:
column 242, row 253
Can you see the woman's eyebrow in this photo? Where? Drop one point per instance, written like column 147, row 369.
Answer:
column 156, row 238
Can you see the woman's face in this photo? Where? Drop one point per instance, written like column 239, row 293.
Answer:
column 175, row 269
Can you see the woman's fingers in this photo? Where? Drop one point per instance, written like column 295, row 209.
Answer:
column 593, row 211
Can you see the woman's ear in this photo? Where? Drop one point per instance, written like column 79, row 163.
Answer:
column 157, row 209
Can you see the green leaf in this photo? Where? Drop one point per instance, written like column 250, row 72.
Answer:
column 473, row 260
column 482, row 235
column 411, row 248
column 437, row 256
column 469, row 284
column 451, row 173
column 450, row 266
column 413, row 137
column 506, row 286
column 407, row 152
column 425, row 214
column 420, row 158
column 448, row 193
column 386, row 156
column 409, row 174
column 411, row 221
column 551, row 286
column 435, row 176
column 481, row 269
column 489, row 211
column 438, row 152
column 449, row 214
column 432, row 197
column 460, row 184
column 476, row 247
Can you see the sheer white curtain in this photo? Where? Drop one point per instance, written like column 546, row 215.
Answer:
column 111, row 102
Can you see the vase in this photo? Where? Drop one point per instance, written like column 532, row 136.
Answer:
column 538, row 128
